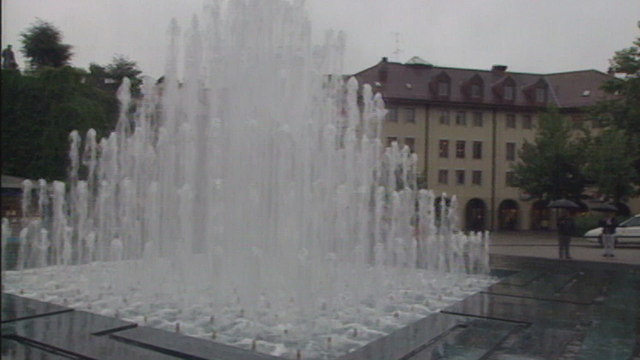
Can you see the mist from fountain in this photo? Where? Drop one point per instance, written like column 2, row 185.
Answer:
column 256, row 185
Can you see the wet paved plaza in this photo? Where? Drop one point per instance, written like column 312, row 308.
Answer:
column 542, row 309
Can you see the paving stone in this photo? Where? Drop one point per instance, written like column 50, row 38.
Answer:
column 18, row 308
column 543, row 342
column 437, row 336
column 401, row 342
column 519, row 309
column 74, row 333
column 14, row 350
column 615, row 328
column 185, row 346
column 574, row 286
column 521, row 278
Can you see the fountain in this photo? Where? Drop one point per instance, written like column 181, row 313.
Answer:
column 251, row 202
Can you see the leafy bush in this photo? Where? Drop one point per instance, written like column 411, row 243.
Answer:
column 38, row 113
column 586, row 222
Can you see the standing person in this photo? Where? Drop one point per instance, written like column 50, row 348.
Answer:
column 566, row 228
column 9, row 58
column 608, row 225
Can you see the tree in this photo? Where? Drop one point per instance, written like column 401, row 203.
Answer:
column 622, row 112
column 609, row 168
column 42, row 44
column 39, row 112
column 110, row 77
column 551, row 167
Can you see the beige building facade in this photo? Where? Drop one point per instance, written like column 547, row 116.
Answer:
column 467, row 127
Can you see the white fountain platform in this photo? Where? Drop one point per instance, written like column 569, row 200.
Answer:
column 265, row 329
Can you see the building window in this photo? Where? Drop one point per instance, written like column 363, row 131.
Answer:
column 444, row 117
column 476, row 177
column 509, row 93
column 460, row 177
column 476, row 91
column 460, row 149
column 461, row 118
column 410, row 115
column 392, row 115
column 444, row 148
column 411, row 143
column 511, row 121
column 477, row 119
column 443, row 176
column 540, row 95
column 391, row 140
column 510, row 178
column 511, row 151
column 527, row 122
column 443, row 88
column 477, row 149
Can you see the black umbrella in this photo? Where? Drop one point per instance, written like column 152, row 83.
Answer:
column 563, row 204
column 605, row 208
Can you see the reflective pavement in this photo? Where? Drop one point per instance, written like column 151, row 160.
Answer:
column 542, row 308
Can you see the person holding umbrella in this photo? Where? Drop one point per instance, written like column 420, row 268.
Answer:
column 565, row 224
column 566, row 228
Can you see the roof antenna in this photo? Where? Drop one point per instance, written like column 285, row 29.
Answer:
column 397, row 51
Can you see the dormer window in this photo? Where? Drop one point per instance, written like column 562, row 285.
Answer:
column 509, row 92
column 476, row 91
column 540, row 95
column 505, row 89
column 440, row 86
column 473, row 88
column 443, row 88
column 536, row 93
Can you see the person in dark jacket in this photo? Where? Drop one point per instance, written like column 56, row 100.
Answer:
column 566, row 228
column 608, row 225
column 9, row 58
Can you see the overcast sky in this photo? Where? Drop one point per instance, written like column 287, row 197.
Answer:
column 527, row 35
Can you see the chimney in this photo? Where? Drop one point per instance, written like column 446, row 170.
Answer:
column 383, row 71
column 499, row 69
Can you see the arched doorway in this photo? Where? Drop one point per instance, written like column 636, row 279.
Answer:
column 540, row 215
column 475, row 215
column 508, row 215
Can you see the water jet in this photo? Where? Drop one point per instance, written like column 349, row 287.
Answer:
column 252, row 185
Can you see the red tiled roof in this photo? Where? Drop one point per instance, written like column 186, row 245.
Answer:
column 411, row 82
